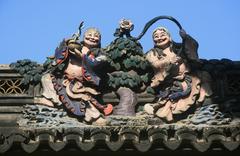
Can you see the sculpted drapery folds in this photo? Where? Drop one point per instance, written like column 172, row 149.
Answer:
column 162, row 97
column 178, row 87
column 71, row 81
column 171, row 72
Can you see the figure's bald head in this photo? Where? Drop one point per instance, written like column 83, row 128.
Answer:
column 161, row 37
column 161, row 29
column 92, row 38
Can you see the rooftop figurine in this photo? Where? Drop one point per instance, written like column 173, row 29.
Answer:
column 167, row 83
column 70, row 80
column 118, row 96
column 177, row 86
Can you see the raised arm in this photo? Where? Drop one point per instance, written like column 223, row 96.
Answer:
column 190, row 46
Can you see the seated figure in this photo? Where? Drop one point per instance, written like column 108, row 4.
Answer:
column 177, row 85
column 71, row 82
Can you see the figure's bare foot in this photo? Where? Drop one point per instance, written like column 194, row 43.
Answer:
column 43, row 101
column 148, row 109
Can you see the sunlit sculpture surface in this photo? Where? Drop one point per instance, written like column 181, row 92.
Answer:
column 87, row 93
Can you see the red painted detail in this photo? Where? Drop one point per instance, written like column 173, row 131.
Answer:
column 108, row 109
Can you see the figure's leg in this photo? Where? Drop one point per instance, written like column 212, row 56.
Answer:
column 43, row 101
column 165, row 112
column 94, row 116
column 50, row 96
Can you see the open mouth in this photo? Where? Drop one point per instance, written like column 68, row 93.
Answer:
column 163, row 39
column 92, row 40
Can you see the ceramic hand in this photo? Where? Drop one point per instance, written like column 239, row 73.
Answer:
column 77, row 52
column 183, row 33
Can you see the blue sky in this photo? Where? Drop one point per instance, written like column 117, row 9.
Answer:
column 33, row 28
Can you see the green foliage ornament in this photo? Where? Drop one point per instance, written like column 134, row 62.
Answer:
column 127, row 62
column 30, row 70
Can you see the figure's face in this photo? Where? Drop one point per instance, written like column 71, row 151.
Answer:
column 161, row 38
column 91, row 38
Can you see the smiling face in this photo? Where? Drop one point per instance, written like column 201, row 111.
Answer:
column 161, row 38
column 92, row 38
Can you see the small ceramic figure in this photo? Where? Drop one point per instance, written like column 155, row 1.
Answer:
column 71, row 80
column 177, row 86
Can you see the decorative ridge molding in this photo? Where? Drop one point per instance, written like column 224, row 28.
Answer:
column 141, row 138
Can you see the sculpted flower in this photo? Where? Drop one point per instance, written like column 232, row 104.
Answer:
column 126, row 24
